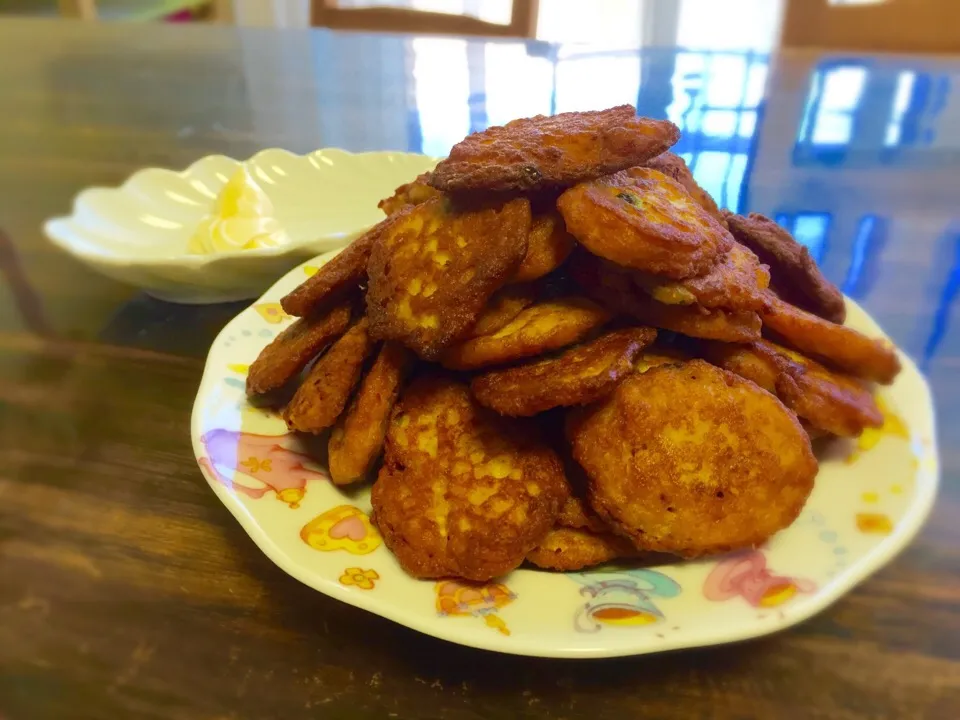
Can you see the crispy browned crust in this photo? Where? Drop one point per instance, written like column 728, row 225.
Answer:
column 658, row 355
column 693, row 460
column 835, row 345
column 568, row 549
column 576, row 514
column 504, row 305
column 758, row 362
column 327, row 387
column 735, row 282
column 435, row 268
column 548, row 246
column 463, row 492
column 642, row 219
column 341, row 275
column 613, row 288
column 290, row 351
column 794, row 273
column 539, row 152
column 828, row 402
column 357, row 438
column 577, row 376
column 543, row 327
column 674, row 166
column 412, row 193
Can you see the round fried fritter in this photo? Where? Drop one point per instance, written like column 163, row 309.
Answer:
column 577, row 376
column 794, row 273
column 613, row 288
column 836, row 345
column 566, row 549
column 659, row 355
column 644, row 220
column 692, row 460
column 674, row 166
column 327, row 387
column 463, row 492
column 337, row 277
column 357, row 438
column 825, row 400
column 548, row 245
column 828, row 401
column 435, row 268
column 540, row 328
column 504, row 305
column 411, row 193
column 542, row 152
column 290, row 351
column 574, row 513
column 758, row 361
column 735, row 282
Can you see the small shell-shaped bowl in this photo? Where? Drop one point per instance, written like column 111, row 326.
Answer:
column 138, row 233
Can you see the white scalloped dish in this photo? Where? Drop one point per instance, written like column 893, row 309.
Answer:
column 870, row 499
column 138, row 233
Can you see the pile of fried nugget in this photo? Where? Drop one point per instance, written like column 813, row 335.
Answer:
column 566, row 354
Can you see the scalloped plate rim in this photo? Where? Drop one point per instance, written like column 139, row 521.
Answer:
column 873, row 560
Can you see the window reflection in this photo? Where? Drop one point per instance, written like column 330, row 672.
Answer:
column 878, row 113
column 716, row 102
column 442, row 89
column 810, row 230
column 865, row 257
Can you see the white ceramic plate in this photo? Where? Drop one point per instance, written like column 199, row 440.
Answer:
column 138, row 233
column 870, row 500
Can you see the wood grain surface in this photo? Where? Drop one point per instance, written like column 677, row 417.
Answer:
column 128, row 591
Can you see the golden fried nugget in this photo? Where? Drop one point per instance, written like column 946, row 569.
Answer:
column 758, row 361
column 540, row 152
column 735, row 282
column 290, row 351
column 826, row 401
column 463, row 492
column 321, row 398
column 795, row 275
column 577, row 376
column 836, row 345
column 337, row 277
column 357, row 438
column 567, row 549
column 659, row 355
column 411, row 193
column 673, row 166
column 692, row 460
column 613, row 288
column 576, row 514
column 548, row 245
column 644, row 220
column 505, row 304
column 435, row 268
column 540, row 328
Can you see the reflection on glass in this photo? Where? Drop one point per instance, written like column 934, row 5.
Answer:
column 865, row 257
column 878, row 112
column 810, row 230
column 442, row 90
column 901, row 101
column 716, row 101
column 833, row 99
column 517, row 85
column 580, row 84
column 941, row 319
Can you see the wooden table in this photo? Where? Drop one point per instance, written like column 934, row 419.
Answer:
column 127, row 590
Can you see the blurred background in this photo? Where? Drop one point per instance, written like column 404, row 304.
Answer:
column 832, row 144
